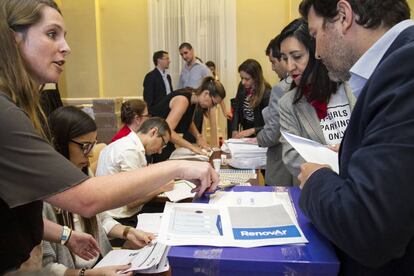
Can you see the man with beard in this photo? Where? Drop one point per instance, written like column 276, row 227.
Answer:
column 367, row 210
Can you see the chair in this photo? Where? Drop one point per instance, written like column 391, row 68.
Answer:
column 93, row 159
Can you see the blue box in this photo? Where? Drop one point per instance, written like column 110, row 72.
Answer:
column 315, row 258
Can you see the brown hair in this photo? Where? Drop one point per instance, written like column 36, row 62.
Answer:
column 253, row 68
column 370, row 13
column 15, row 80
column 131, row 108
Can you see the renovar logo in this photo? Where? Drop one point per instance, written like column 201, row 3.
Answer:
column 289, row 231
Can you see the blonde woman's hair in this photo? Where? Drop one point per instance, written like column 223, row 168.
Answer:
column 15, row 80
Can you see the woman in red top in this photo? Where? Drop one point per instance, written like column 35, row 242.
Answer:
column 133, row 114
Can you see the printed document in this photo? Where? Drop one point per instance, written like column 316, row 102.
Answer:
column 225, row 225
column 313, row 151
column 182, row 190
column 145, row 258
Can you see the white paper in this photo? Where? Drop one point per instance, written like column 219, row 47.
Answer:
column 140, row 259
column 220, row 225
column 162, row 266
column 187, row 154
column 182, row 190
column 313, row 151
column 149, row 222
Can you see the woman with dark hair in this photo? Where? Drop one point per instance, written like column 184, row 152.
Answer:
column 74, row 136
column 178, row 110
column 252, row 96
column 316, row 108
column 133, row 114
column 33, row 50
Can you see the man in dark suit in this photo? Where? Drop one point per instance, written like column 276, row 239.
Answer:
column 367, row 211
column 157, row 83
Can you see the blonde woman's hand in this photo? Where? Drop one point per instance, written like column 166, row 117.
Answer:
column 83, row 245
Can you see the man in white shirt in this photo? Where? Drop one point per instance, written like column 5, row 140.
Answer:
column 128, row 153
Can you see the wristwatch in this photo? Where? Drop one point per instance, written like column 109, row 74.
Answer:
column 65, row 235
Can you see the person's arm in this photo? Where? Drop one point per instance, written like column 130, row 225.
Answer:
column 137, row 238
column 81, row 244
column 270, row 134
column 165, row 188
column 178, row 106
column 288, row 123
column 213, row 126
column 98, row 194
column 245, row 133
column 200, row 140
column 226, row 113
column 235, row 124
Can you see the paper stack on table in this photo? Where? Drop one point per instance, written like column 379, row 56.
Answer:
column 246, row 153
column 186, row 154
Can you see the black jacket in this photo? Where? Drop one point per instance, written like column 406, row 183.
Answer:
column 367, row 210
column 154, row 88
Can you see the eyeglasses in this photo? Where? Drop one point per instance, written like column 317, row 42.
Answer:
column 164, row 144
column 85, row 147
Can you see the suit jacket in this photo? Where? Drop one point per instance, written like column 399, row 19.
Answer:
column 154, row 88
column 301, row 119
column 276, row 171
column 238, row 109
column 367, row 210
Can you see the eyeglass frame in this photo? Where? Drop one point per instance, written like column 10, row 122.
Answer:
column 164, row 144
column 83, row 146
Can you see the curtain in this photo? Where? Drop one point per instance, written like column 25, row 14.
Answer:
column 208, row 25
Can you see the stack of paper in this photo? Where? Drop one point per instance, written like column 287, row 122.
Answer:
column 246, row 154
column 186, row 154
column 149, row 259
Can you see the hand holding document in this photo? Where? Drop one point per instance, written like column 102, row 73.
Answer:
column 313, row 151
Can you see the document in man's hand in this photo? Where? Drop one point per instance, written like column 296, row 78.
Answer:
column 313, row 151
